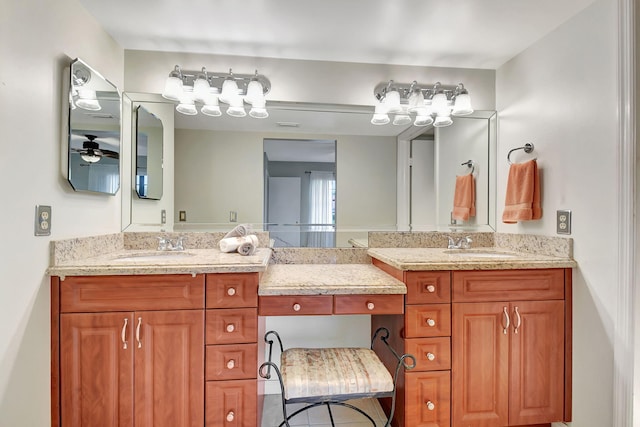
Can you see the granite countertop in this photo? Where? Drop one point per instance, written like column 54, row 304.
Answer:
column 489, row 258
column 190, row 261
column 328, row 279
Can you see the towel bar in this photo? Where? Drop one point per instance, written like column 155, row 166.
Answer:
column 528, row 148
column 331, row 376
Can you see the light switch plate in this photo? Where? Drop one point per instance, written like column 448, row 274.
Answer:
column 563, row 222
column 42, row 226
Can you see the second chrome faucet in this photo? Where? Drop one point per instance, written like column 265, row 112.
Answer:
column 462, row 243
column 166, row 244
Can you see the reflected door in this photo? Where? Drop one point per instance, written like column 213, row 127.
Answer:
column 283, row 213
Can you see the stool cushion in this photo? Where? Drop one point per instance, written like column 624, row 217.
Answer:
column 309, row 372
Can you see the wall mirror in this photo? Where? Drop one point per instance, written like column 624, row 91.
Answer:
column 93, row 131
column 219, row 174
column 148, row 154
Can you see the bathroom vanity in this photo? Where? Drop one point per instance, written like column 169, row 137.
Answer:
column 143, row 339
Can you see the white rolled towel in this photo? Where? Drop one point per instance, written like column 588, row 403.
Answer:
column 245, row 245
column 239, row 231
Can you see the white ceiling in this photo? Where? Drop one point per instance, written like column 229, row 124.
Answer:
column 459, row 33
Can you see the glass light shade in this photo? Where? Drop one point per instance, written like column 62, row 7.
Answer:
column 229, row 90
column 442, row 121
column 211, row 109
column 201, row 89
column 416, row 101
column 259, row 110
column 187, row 105
column 172, row 88
column 439, row 103
column 423, row 120
column 392, row 101
column 236, row 107
column 380, row 116
column 87, row 100
column 401, row 119
column 90, row 157
column 462, row 105
column 255, row 92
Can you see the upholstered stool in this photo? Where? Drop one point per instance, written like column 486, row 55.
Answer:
column 330, row 376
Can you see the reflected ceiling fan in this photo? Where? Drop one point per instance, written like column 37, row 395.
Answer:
column 91, row 152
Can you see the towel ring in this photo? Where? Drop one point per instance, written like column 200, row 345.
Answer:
column 471, row 164
column 528, row 148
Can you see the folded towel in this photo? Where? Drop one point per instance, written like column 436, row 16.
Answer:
column 239, row 231
column 464, row 197
column 245, row 245
column 522, row 201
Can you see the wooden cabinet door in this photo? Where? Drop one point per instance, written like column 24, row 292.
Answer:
column 537, row 362
column 169, row 368
column 96, row 369
column 480, row 364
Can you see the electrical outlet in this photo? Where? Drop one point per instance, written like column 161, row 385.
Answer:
column 563, row 222
column 163, row 216
column 182, row 216
column 42, row 226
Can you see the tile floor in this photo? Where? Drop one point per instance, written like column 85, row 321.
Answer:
column 319, row 416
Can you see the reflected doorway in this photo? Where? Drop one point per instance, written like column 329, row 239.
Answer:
column 300, row 192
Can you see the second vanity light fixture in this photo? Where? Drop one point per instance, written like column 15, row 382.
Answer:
column 206, row 90
column 431, row 105
column 81, row 94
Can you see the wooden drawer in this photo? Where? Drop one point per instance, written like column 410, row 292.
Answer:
column 232, row 290
column 427, row 399
column 231, row 403
column 231, row 326
column 295, row 305
column 432, row 354
column 508, row 285
column 232, row 362
column 128, row 293
column 428, row 320
column 368, row 304
column 428, row 287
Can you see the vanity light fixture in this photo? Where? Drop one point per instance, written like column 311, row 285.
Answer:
column 81, row 95
column 431, row 105
column 206, row 90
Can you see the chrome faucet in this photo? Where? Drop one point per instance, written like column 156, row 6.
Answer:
column 462, row 243
column 166, row 244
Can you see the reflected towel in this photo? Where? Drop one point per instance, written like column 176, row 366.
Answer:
column 245, row 245
column 522, row 201
column 464, row 198
column 239, row 231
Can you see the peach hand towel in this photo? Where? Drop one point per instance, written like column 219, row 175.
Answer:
column 522, row 201
column 464, row 197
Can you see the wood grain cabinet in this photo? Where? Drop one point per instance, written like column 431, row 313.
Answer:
column 128, row 351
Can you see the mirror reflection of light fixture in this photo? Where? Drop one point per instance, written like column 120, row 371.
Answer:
column 432, row 105
column 82, row 95
column 208, row 90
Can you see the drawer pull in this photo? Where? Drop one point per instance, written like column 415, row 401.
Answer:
column 231, row 364
column 124, row 333
column 506, row 319
column 231, row 291
column 431, row 357
column 431, row 406
column 431, row 288
column 138, row 332
column 231, row 416
column 518, row 321
column 370, row 305
column 231, row 327
column 431, row 322
column 296, row 307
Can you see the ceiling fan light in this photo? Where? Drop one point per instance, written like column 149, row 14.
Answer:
column 90, row 157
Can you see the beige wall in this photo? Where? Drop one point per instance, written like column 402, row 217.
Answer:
column 38, row 39
column 560, row 94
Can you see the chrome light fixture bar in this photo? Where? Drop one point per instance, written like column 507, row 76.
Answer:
column 204, row 89
column 423, row 105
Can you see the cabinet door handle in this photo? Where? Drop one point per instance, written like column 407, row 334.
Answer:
column 431, row 406
column 231, row 364
column 370, row 306
column 124, row 333
column 431, row 357
column 518, row 321
column 138, row 332
column 230, row 416
column 506, row 319
column 231, row 291
column 431, row 289
column 431, row 322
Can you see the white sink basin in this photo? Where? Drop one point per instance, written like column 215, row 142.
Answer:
column 479, row 253
column 152, row 256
